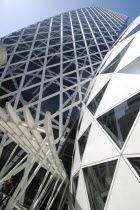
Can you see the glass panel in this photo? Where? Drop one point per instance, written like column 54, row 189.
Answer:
column 82, row 141
column 66, row 152
column 136, row 29
column 74, row 187
column 31, row 94
column 51, row 87
column 78, row 128
column 118, row 121
column 132, row 67
column 98, row 180
column 51, row 104
column 93, row 105
column 113, row 65
column 135, row 163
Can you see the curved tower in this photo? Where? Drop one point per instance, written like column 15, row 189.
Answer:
column 106, row 168
column 51, row 63
column 49, row 68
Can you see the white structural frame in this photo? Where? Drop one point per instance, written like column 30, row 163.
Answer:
column 38, row 150
column 72, row 82
column 107, row 156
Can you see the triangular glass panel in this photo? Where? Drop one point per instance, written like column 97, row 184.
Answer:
column 135, row 162
column 51, row 104
column 68, row 97
column 69, row 117
column 30, row 95
column 74, row 187
column 136, row 29
column 119, row 120
column 11, row 99
column 83, row 141
column 11, row 85
column 17, row 57
column 69, row 66
column 132, row 68
column 35, row 64
column 69, row 80
column 51, row 72
column 33, row 78
column 66, row 153
column 78, row 128
column 93, row 105
column 114, row 63
column 84, row 74
column 84, row 88
column 51, row 87
column 98, row 179
column 15, row 69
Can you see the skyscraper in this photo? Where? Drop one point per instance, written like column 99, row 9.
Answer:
column 106, row 169
column 51, row 64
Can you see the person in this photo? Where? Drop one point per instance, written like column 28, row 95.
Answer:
column 6, row 189
column 8, row 184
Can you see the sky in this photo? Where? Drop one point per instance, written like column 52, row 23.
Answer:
column 16, row 14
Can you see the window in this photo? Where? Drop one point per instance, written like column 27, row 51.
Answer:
column 74, row 187
column 83, row 141
column 98, row 180
column 119, row 120
column 93, row 105
column 114, row 63
column 135, row 162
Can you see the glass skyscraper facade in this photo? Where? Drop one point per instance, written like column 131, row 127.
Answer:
column 50, row 66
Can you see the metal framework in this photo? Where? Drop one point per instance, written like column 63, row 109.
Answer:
column 38, row 150
column 3, row 54
column 49, row 68
column 51, row 63
column 106, row 166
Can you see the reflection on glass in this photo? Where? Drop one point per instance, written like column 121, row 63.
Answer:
column 82, row 141
column 118, row 121
column 136, row 29
column 98, row 180
column 113, row 65
column 135, row 163
column 78, row 128
column 93, row 105
column 74, row 187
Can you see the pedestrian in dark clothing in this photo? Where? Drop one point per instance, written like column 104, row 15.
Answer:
column 8, row 189
column 5, row 187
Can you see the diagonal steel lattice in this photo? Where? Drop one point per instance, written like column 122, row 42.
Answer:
column 49, row 68
column 51, row 63
column 38, row 150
